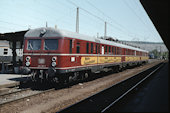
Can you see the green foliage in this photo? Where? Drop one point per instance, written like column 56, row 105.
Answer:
column 159, row 54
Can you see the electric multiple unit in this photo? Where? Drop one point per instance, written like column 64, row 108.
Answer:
column 63, row 56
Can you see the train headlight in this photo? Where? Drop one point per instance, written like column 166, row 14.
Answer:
column 53, row 64
column 27, row 63
column 54, row 59
column 28, row 58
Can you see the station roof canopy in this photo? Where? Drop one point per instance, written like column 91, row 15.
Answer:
column 13, row 36
column 158, row 11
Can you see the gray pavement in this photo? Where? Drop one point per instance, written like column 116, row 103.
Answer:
column 6, row 79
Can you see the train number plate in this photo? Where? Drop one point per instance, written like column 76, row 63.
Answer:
column 41, row 61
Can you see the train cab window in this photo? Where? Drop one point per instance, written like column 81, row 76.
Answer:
column 78, row 47
column 50, row 44
column 91, row 47
column 70, row 48
column 34, row 44
column 87, row 47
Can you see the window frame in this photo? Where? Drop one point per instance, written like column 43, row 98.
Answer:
column 33, row 49
column 87, row 47
column 51, row 49
column 78, row 47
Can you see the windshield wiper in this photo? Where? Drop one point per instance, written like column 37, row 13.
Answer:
column 31, row 46
column 47, row 47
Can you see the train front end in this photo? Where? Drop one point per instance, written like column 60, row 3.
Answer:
column 42, row 47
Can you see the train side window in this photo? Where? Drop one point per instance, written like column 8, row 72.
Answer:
column 120, row 51
column 78, row 47
column 115, row 50
column 91, row 47
column 87, row 47
column 70, row 49
column 112, row 50
column 109, row 49
column 96, row 48
column 105, row 49
column 99, row 49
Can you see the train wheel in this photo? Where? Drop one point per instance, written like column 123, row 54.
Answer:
column 55, row 80
column 70, row 79
column 86, row 75
column 117, row 69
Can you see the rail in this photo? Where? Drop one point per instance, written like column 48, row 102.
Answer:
column 103, row 100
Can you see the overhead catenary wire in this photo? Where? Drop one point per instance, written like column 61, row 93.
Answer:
column 34, row 18
column 115, row 22
column 101, row 19
column 137, row 16
column 141, row 9
column 13, row 23
column 112, row 23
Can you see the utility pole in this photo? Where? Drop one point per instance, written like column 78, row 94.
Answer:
column 105, row 30
column 77, row 20
column 97, row 35
column 46, row 24
column 29, row 26
column 160, row 53
column 55, row 26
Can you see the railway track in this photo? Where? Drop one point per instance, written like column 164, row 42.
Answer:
column 105, row 99
column 23, row 91
column 7, row 97
column 20, row 95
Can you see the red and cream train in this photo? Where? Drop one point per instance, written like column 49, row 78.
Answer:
column 65, row 56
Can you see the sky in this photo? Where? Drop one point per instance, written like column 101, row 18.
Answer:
column 125, row 19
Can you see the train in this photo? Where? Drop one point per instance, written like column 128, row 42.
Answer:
column 65, row 56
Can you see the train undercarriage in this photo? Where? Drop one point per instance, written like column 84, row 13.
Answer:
column 67, row 76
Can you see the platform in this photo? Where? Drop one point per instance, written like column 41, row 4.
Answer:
column 151, row 97
column 8, row 80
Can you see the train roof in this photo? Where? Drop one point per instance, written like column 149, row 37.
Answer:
column 51, row 32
